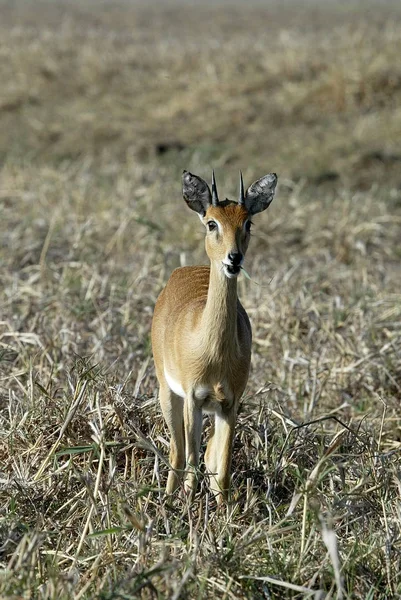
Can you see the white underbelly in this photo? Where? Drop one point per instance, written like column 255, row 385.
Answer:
column 174, row 385
column 201, row 391
column 204, row 394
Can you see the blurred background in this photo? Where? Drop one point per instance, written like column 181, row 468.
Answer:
column 311, row 89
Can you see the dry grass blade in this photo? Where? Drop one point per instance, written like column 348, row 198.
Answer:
column 285, row 584
column 330, row 541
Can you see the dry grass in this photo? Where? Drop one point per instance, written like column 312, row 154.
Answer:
column 100, row 110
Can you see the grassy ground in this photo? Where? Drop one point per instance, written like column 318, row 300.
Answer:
column 101, row 108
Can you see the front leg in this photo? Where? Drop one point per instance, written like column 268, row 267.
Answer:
column 222, row 448
column 193, row 432
column 172, row 408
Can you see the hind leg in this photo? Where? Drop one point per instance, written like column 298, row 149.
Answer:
column 173, row 411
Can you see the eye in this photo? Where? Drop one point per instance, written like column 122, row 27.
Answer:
column 211, row 225
column 248, row 225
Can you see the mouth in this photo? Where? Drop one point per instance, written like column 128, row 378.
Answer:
column 231, row 271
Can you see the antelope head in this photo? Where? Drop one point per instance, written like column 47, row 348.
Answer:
column 228, row 223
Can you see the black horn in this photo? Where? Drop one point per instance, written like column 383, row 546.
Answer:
column 241, row 199
column 215, row 197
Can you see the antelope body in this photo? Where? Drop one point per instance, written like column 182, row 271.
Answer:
column 201, row 335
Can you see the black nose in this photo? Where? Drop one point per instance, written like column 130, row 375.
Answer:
column 235, row 258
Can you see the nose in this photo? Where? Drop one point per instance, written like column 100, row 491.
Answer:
column 235, row 258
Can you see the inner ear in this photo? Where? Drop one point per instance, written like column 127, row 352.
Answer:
column 196, row 193
column 260, row 194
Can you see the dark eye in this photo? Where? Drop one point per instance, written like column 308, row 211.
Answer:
column 211, row 225
column 248, row 225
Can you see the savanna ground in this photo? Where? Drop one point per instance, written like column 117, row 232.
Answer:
column 102, row 105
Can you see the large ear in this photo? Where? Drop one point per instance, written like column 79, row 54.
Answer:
column 196, row 193
column 260, row 194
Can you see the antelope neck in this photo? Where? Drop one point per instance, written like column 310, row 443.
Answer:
column 219, row 319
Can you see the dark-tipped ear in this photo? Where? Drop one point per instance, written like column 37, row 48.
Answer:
column 260, row 194
column 196, row 193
